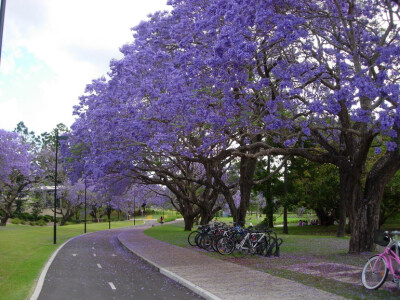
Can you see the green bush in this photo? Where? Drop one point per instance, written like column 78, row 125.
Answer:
column 15, row 221
column 47, row 218
column 32, row 223
column 41, row 222
column 23, row 222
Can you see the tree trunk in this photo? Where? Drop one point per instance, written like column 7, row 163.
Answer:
column 350, row 188
column 3, row 220
column 269, row 209
column 206, row 216
column 187, row 211
column 285, row 223
column 285, row 191
column 231, row 203
column 247, row 169
column 189, row 220
column 362, row 230
column 342, row 205
column 366, row 208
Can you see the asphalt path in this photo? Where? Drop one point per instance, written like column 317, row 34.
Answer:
column 96, row 266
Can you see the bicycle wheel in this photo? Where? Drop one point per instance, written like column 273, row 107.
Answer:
column 262, row 247
column 240, row 252
column 374, row 273
column 206, row 242
column 191, row 238
column 225, row 246
column 197, row 239
column 214, row 239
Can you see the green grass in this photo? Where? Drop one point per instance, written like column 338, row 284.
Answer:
column 302, row 245
column 169, row 233
column 292, row 219
column 25, row 249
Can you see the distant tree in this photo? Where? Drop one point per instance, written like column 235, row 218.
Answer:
column 36, row 206
column 391, row 200
column 316, row 187
column 18, row 171
column 266, row 180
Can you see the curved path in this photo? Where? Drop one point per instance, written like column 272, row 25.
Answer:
column 213, row 278
column 96, row 266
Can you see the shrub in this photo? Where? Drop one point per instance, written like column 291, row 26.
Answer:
column 32, row 223
column 15, row 221
column 23, row 222
column 47, row 218
column 41, row 222
column 69, row 223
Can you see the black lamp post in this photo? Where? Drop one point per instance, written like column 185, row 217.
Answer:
column 109, row 214
column 2, row 15
column 55, row 186
column 85, row 205
column 134, row 204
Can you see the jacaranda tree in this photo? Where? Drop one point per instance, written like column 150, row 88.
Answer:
column 325, row 72
column 228, row 78
column 18, row 170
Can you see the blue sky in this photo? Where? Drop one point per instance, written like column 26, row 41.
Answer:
column 53, row 48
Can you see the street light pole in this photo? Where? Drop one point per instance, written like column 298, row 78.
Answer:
column 134, row 220
column 85, row 205
column 55, row 193
column 109, row 215
column 2, row 16
column 55, row 186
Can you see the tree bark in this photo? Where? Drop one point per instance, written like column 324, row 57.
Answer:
column 365, row 218
column 189, row 220
column 205, row 216
column 247, row 169
column 3, row 220
column 269, row 210
column 285, row 191
column 342, row 205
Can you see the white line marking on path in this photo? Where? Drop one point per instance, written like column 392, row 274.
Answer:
column 113, row 255
column 112, row 285
column 94, row 254
column 93, row 248
column 74, row 254
column 99, row 266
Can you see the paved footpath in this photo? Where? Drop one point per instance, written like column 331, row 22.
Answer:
column 213, row 278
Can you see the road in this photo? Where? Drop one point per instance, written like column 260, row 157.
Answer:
column 95, row 266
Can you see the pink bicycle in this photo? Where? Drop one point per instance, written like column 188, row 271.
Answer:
column 378, row 266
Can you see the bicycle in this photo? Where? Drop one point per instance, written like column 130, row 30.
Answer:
column 251, row 243
column 378, row 266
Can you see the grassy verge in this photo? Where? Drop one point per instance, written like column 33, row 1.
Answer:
column 302, row 246
column 254, row 219
column 25, row 249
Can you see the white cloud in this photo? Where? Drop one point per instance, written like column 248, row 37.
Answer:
column 53, row 48
column 13, row 113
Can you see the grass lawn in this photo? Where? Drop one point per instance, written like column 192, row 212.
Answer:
column 252, row 219
column 25, row 249
column 309, row 246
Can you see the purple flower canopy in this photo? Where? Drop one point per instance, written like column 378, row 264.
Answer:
column 264, row 68
column 213, row 79
column 14, row 157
